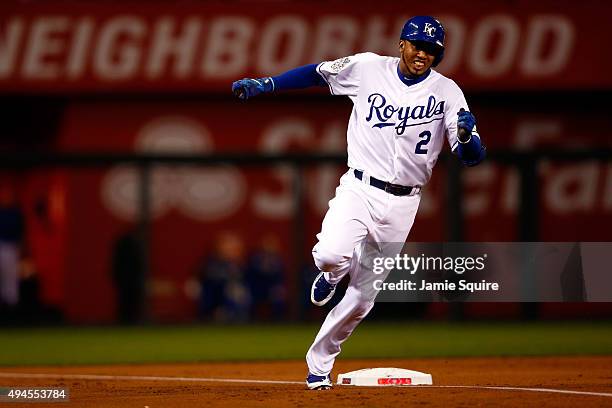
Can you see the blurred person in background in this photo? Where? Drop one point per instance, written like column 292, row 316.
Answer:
column 12, row 230
column 224, row 295
column 265, row 274
column 128, row 277
column 31, row 309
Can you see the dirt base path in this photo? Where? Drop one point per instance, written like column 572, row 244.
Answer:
column 253, row 384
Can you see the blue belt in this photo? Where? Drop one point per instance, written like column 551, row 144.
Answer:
column 390, row 188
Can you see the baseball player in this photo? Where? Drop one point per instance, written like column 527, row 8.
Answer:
column 402, row 110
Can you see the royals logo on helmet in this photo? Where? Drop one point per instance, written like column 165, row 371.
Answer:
column 429, row 30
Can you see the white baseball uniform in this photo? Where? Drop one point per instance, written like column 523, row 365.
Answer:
column 395, row 134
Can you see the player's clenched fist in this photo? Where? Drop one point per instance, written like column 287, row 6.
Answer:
column 465, row 124
column 247, row 88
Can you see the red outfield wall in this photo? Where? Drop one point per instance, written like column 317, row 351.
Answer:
column 134, row 47
column 192, row 205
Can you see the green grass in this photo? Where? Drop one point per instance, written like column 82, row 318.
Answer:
column 107, row 345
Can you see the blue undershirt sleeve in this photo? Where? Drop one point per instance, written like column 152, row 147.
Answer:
column 299, row 78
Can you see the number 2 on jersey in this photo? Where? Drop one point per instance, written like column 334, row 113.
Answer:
column 421, row 146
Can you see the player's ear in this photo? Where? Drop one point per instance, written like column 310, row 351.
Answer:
column 401, row 45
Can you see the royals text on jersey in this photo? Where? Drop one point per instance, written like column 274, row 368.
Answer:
column 401, row 117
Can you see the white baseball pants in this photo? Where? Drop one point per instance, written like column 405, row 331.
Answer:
column 358, row 213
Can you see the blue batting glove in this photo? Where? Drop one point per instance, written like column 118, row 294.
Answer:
column 247, row 88
column 466, row 121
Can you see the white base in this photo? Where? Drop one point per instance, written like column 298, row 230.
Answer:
column 381, row 377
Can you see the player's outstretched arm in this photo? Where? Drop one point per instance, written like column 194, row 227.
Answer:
column 470, row 149
column 298, row 78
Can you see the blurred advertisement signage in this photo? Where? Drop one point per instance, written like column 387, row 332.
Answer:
column 65, row 47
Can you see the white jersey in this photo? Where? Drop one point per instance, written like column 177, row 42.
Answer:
column 395, row 132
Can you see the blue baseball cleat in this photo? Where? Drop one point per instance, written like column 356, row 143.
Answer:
column 322, row 291
column 318, row 382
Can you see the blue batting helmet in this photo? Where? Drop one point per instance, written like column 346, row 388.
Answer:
column 428, row 29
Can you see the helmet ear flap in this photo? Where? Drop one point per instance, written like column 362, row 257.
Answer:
column 438, row 59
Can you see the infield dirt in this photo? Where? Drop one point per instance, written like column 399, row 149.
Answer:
column 585, row 374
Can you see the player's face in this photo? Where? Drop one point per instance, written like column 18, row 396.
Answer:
column 415, row 58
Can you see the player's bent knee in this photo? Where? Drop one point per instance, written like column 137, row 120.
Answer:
column 361, row 309
column 328, row 261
